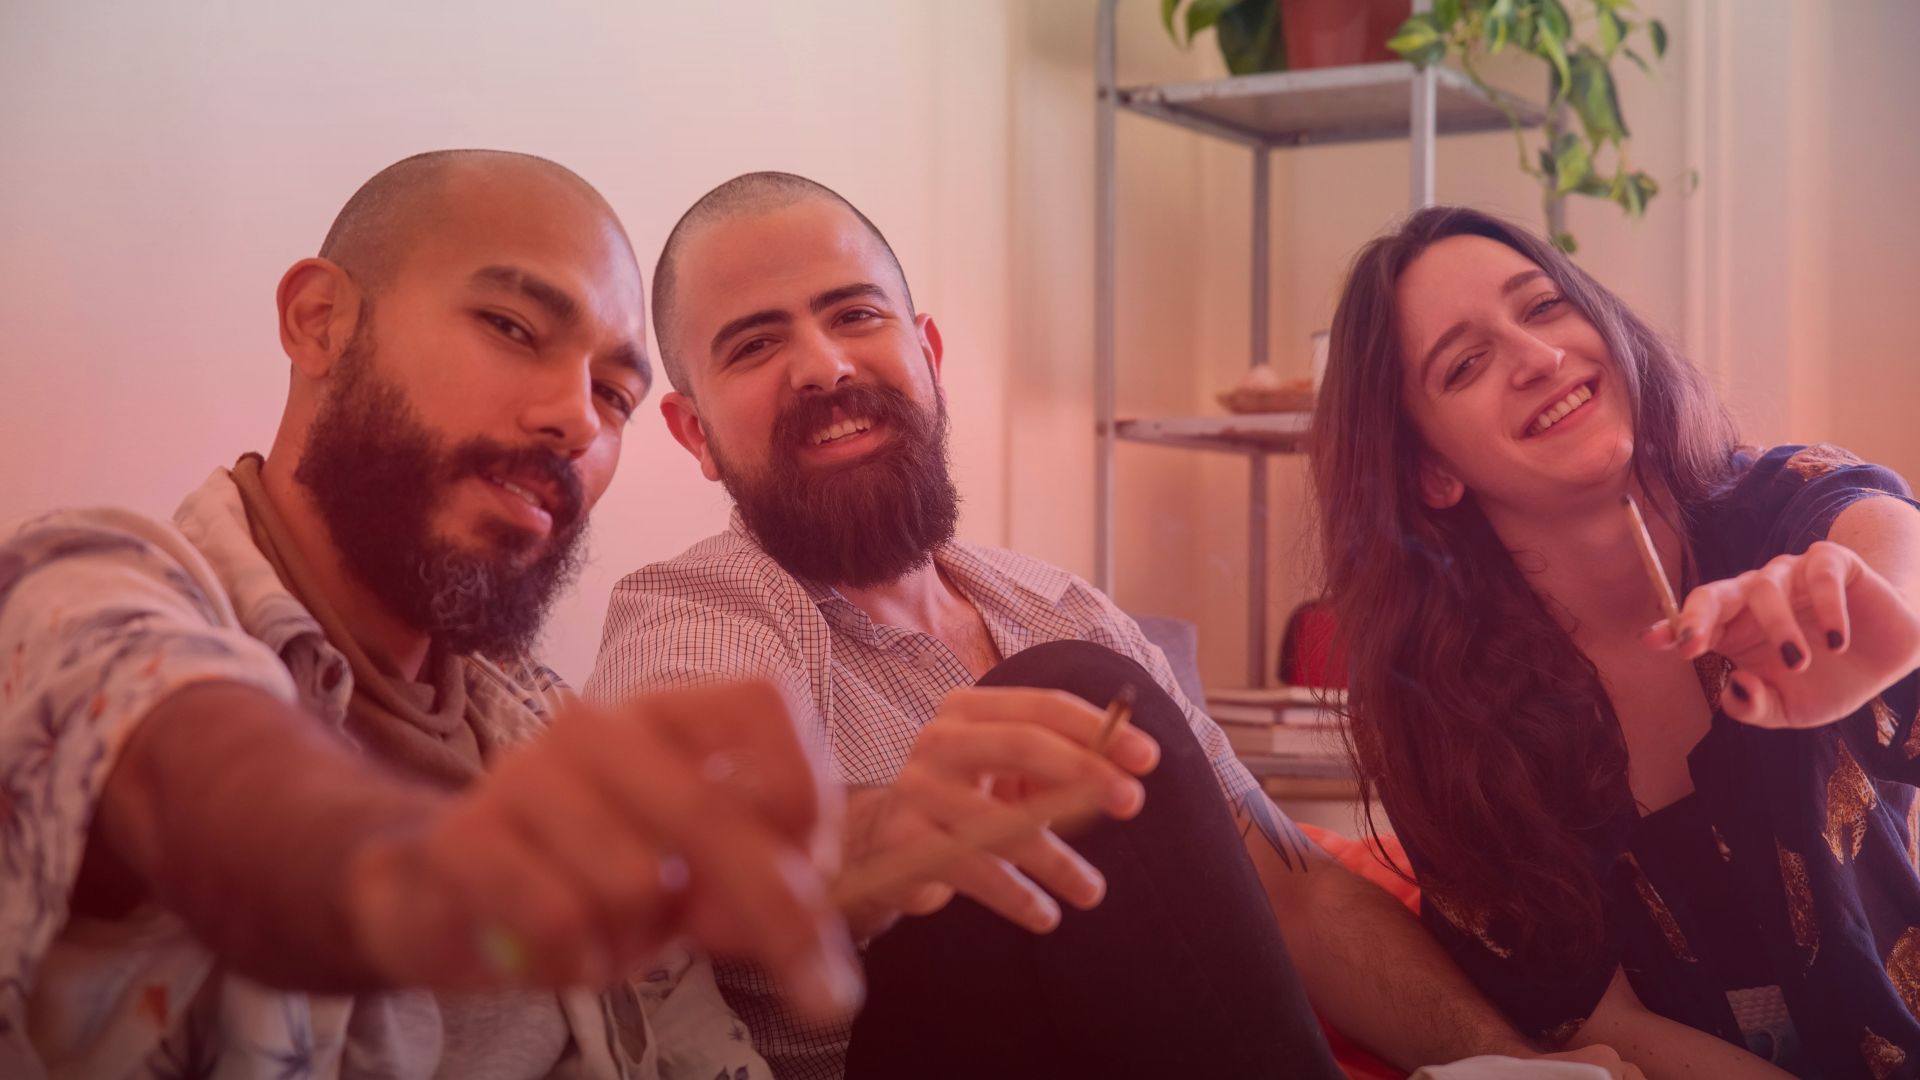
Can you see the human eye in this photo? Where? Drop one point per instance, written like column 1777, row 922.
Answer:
column 509, row 328
column 749, row 349
column 1461, row 369
column 1544, row 306
column 857, row 315
column 615, row 397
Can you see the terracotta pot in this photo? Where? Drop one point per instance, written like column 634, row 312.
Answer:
column 1333, row 33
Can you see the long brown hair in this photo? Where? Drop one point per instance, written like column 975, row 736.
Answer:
column 1474, row 718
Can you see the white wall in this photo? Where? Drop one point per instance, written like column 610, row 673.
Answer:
column 163, row 163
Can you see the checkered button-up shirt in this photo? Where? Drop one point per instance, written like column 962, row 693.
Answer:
column 724, row 609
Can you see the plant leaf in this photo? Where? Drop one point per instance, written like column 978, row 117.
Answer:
column 1565, row 242
column 1419, row 40
column 1659, row 32
column 1554, row 16
column 1167, row 8
column 1594, row 98
column 1550, row 44
column 1204, row 13
column 1638, row 60
column 1496, row 32
column 1445, row 13
column 1572, row 167
column 1612, row 30
column 1251, row 38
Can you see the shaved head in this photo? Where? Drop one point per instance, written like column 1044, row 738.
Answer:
column 379, row 225
column 743, row 196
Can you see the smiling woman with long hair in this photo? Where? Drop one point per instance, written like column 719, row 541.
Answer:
column 1632, row 834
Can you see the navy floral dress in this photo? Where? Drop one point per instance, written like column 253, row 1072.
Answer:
column 1778, row 906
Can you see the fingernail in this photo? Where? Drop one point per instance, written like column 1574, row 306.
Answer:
column 1790, row 653
column 1126, row 797
column 1048, row 915
column 1686, row 635
column 1739, row 691
column 1834, row 640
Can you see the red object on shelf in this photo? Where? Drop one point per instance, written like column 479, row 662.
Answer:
column 1333, row 33
column 1311, row 653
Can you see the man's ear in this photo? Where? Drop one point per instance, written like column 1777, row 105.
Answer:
column 683, row 420
column 1439, row 488
column 319, row 312
column 931, row 346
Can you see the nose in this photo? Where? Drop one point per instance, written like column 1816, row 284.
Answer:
column 1533, row 359
column 559, row 410
column 817, row 363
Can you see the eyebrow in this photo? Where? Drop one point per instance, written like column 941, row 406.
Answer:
column 561, row 306
column 631, row 356
column 1453, row 332
column 778, row 317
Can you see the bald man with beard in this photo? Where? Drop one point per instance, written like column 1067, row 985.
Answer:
column 283, row 792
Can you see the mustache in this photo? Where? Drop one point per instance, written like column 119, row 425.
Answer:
column 480, row 456
column 856, row 401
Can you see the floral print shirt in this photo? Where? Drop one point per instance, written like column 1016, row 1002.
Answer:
column 105, row 613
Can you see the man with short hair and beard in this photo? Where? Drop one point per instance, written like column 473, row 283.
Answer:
column 282, row 792
column 806, row 382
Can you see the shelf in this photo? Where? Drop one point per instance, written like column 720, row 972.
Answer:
column 1242, row 433
column 1361, row 103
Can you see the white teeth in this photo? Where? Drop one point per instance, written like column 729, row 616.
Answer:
column 840, row 431
column 532, row 499
column 1558, row 411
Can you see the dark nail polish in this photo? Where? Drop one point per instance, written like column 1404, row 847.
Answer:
column 1791, row 654
column 1834, row 640
column 1739, row 691
column 1686, row 635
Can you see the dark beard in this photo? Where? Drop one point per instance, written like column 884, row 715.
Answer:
column 865, row 523
column 377, row 476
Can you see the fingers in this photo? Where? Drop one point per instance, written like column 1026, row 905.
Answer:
column 1823, row 575
column 744, row 734
column 757, row 893
column 1767, row 601
column 524, row 924
column 1037, row 852
column 1701, row 616
column 971, row 751
column 629, row 888
column 1058, row 711
column 1750, row 700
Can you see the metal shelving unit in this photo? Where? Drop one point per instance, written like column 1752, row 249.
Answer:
column 1261, row 112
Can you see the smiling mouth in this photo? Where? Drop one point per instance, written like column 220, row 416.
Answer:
column 844, row 429
column 1561, row 409
column 528, row 495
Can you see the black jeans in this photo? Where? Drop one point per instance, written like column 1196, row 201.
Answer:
column 1179, row 973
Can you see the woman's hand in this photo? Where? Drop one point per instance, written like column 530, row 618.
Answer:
column 1812, row 637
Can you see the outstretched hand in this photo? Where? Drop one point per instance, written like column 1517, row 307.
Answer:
column 1813, row 637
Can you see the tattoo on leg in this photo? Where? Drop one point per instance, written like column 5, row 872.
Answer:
column 1256, row 811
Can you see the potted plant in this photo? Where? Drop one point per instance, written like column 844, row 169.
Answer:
column 1277, row 35
column 1590, row 159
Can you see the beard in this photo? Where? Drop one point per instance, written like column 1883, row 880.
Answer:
column 378, row 477
column 865, row 522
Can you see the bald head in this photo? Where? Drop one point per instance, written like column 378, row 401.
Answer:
column 743, row 196
column 407, row 200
